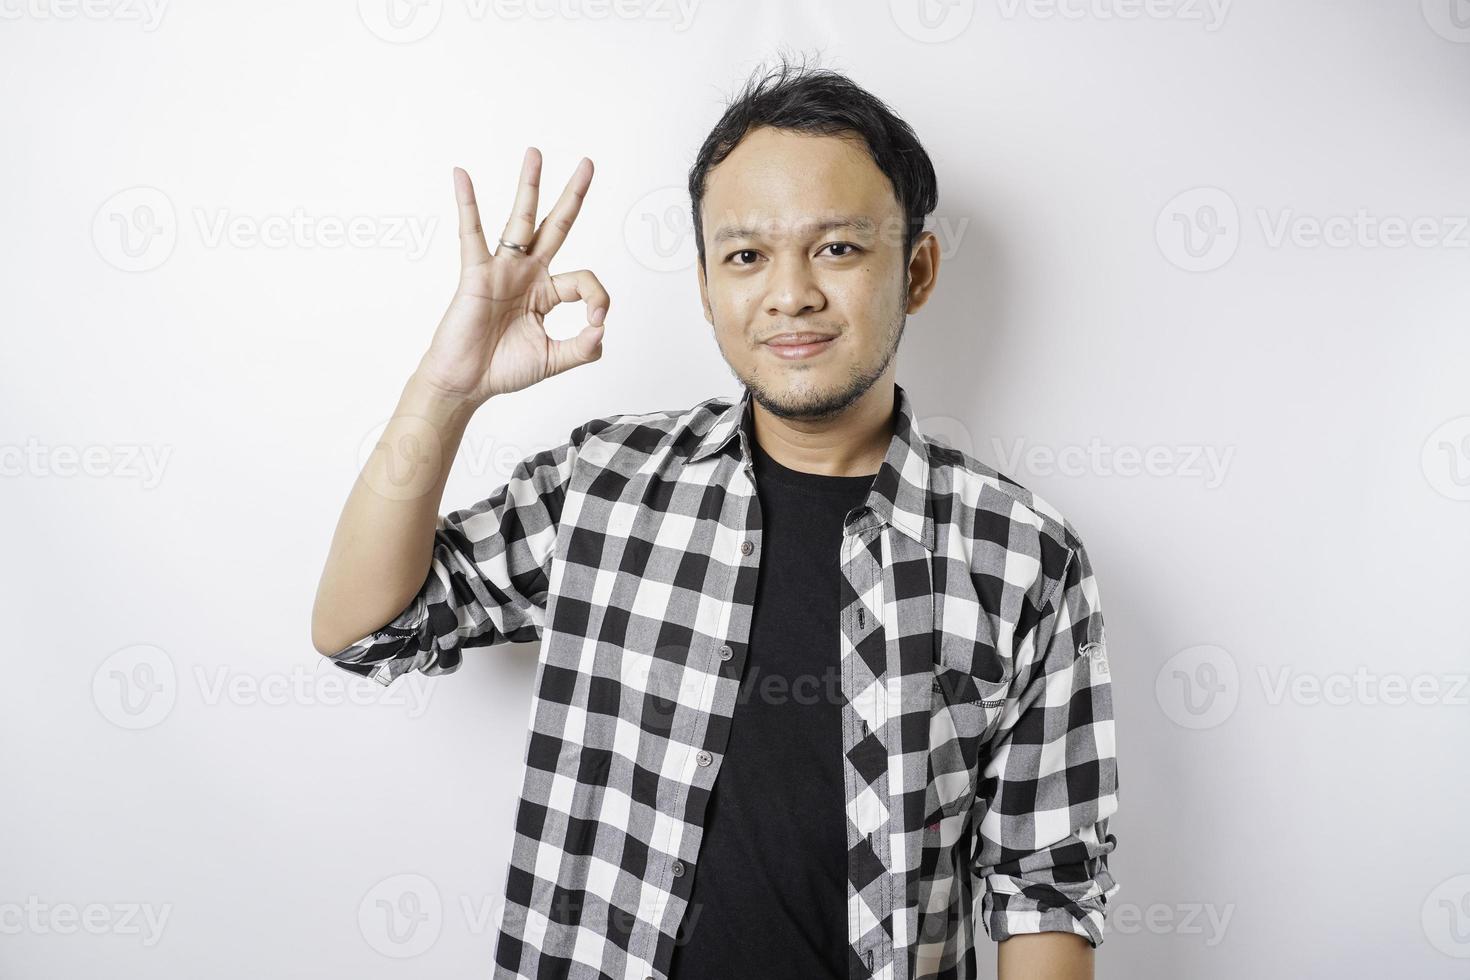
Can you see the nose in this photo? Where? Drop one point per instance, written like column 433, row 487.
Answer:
column 792, row 289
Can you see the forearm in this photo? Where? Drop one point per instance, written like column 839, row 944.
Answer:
column 384, row 541
column 1044, row 956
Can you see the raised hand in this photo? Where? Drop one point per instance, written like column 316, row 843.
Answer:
column 492, row 339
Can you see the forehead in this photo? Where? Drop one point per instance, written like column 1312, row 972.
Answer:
column 781, row 180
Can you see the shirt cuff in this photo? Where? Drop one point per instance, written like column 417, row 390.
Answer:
column 1014, row 906
column 389, row 652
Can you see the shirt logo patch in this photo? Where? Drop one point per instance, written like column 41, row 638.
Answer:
column 1097, row 652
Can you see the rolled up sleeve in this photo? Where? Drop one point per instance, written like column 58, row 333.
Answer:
column 488, row 576
column 1049, row 783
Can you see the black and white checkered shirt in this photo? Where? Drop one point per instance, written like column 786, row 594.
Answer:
column 977, row 725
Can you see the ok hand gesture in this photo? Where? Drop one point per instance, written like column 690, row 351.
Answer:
column 492, row 339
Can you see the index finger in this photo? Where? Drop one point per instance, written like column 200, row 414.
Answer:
column 472, row 248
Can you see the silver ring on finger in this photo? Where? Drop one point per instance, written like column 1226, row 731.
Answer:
column 522, row 249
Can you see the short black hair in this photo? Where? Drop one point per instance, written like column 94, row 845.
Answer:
column 821, row 101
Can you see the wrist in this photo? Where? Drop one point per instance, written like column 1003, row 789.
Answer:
column 426, row 399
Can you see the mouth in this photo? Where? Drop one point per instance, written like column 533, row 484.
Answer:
column 795, row 346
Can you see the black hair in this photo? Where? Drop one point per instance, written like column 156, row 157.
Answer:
column 821, row 101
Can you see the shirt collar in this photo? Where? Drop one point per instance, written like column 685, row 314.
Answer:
column 900, row 494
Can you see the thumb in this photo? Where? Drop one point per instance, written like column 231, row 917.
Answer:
column 584, row 348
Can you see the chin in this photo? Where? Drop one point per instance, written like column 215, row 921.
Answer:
column 809, row 398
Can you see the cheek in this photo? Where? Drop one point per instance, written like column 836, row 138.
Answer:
column 862, row 300
column 734, row 301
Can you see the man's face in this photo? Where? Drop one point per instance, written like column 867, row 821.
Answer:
column 772, row 268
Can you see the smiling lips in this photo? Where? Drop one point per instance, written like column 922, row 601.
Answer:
column 794, row 346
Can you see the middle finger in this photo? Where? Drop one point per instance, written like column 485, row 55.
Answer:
column 523, row 214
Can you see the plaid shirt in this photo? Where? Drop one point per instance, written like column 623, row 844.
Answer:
column 977, row 727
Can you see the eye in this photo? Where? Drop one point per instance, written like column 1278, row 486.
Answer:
column 853, row 249
column 743, row 251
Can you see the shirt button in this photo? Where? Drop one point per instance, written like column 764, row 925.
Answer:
column 746, row 547
column 704, row 758
column 678, row 869
column 726, row 653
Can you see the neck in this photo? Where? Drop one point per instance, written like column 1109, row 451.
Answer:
column 853, row 443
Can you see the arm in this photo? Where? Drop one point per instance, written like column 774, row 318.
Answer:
column 390, row 549
column 1044, row 956
column 1049, row 787
column 489, row 573
column 380, row 552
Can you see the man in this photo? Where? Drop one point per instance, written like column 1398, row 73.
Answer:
column 808, row 680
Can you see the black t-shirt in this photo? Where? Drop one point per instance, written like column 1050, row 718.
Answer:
column 769, row 899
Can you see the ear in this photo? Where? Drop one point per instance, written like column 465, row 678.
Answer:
column 709, row 313
column 923, row 271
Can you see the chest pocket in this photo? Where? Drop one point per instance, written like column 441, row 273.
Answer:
column 967, row 696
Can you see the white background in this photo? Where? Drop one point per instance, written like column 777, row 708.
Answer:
column 1128, row 200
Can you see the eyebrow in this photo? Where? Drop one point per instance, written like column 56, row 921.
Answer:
column 856, row 223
